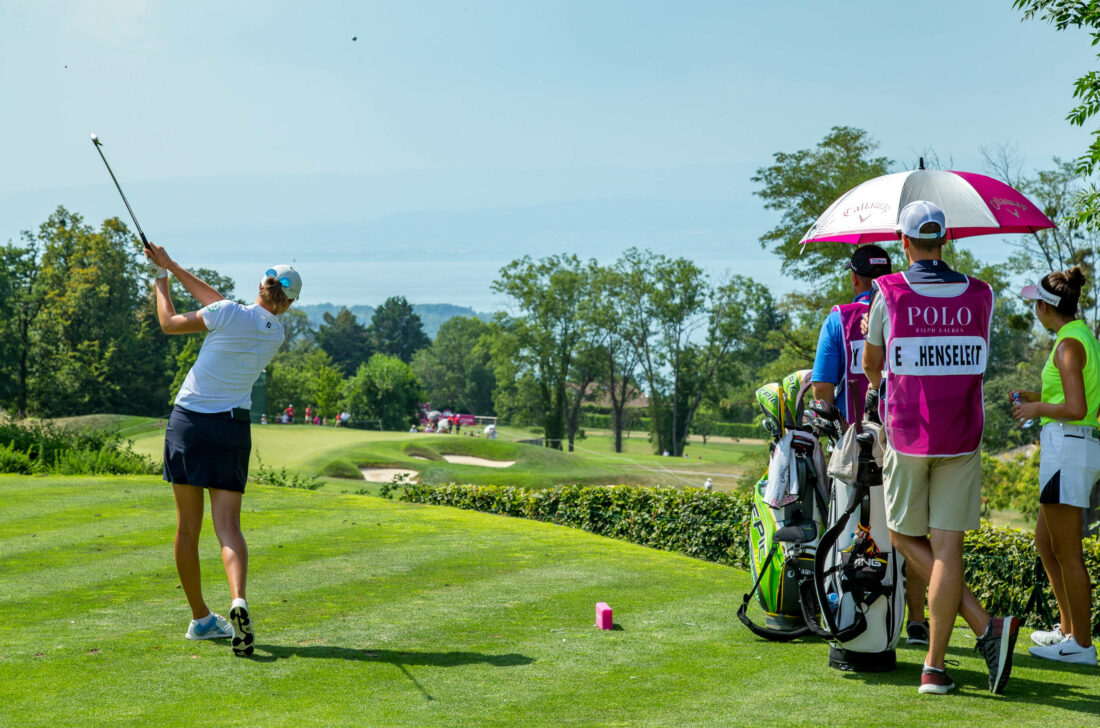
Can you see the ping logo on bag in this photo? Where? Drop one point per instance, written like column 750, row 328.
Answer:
column 932, row 356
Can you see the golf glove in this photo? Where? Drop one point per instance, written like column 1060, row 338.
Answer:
column 158, row 272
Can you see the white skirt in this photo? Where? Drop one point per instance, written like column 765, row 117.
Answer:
column 1069, row 463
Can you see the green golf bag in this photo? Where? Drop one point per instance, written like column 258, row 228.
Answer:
column 788, row 510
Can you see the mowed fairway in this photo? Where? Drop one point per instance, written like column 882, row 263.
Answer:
column 325, row 451
column 372, row 612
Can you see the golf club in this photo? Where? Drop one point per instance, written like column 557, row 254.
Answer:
column 98, row 147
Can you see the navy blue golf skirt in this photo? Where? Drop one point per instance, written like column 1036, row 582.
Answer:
column 207, row 450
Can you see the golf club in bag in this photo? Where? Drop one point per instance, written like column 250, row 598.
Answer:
column 99, row 148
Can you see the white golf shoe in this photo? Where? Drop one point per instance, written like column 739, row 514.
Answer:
column 1066, row 651
column 1045, row 638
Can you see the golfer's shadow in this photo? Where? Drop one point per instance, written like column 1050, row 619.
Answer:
column 271, row 653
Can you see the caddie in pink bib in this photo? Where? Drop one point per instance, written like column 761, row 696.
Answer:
column 936, row 355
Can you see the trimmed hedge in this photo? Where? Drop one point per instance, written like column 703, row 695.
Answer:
column 713, row 526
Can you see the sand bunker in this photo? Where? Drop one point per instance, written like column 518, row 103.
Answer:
column 385, row 475
column 469, row 460
column 420, row 457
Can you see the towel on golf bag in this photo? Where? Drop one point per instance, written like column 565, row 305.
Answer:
column 844, row 461
column 783, row 487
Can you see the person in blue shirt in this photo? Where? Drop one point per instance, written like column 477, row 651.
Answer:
column 838, row 378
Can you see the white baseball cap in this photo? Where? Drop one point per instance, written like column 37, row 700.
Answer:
column 288, row 277
column 916, row 215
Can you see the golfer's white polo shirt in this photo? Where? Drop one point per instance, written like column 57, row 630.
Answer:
column 242, row 341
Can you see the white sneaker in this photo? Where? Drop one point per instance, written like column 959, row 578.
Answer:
column 218, row 628
column 1067, row 651
column 1046, row 639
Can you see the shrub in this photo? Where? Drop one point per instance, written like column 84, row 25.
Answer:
column 282, row 478
column 14, row 461
column 43, row 441
column 44, row 448
column 105, row 461
column 1000, row 564
column 709, row 525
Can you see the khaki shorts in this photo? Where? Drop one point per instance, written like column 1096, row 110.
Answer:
column 937, row 492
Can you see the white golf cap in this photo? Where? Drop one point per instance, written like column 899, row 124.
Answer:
column 916, row 215
column 1039, row 293
column 288, row 277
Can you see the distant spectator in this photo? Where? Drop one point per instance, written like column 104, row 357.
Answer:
column 263, row 418
column 324, row 422
column 316, row 420
column 309, row 414
column 289, row 412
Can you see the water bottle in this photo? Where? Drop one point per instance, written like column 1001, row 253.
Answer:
column 1018, row 398
column 834, row 601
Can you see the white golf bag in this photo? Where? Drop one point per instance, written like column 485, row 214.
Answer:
column 859, row 584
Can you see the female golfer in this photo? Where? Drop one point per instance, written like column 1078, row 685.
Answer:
column 208, row 439
column 1069, row 460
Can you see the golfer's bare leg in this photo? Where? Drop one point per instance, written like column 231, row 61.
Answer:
column 189, row 503
column 1065, row 533
column 918, row 553
column 225, row 509
column 1044, row 545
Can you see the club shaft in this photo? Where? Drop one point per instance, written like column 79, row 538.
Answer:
column 133, row 217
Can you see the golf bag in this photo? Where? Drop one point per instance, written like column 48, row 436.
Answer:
column 789, row 505
column 858, row 584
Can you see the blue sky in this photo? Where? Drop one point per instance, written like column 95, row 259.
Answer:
column 453, row 136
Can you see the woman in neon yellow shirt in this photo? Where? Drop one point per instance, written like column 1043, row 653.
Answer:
column 1069, row 462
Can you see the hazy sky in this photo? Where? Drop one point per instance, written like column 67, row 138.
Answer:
column 451, row 136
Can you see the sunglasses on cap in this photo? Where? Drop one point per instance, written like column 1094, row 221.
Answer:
column 283, row 281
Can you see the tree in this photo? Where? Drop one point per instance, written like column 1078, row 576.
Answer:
column 84, row 351
column 302, row 377
column 386, row 391
column 619, row 356
column 456, row 368
column 345, row 340
column 297, row 330
column 549, row 294
column 1086, row 90
column 583, row 374
column 19, row 307
column 686, row 332
column 803, row 184
column 396, row 330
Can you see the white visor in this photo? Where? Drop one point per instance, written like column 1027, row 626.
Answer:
column 1038, row 293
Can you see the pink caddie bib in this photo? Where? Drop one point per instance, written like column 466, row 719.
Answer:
column 855, row 381
column 935, row 358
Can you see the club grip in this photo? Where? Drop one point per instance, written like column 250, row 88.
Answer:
column 145, row 242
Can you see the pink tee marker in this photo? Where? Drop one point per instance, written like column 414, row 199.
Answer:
column 603, row 615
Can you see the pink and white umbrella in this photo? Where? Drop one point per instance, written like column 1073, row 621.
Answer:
column 972, row 203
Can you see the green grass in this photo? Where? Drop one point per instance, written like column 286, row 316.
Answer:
column 371, row 612
column 332, row 452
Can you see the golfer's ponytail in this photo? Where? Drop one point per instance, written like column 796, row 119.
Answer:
column 1068, row 285
column 272, row 293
